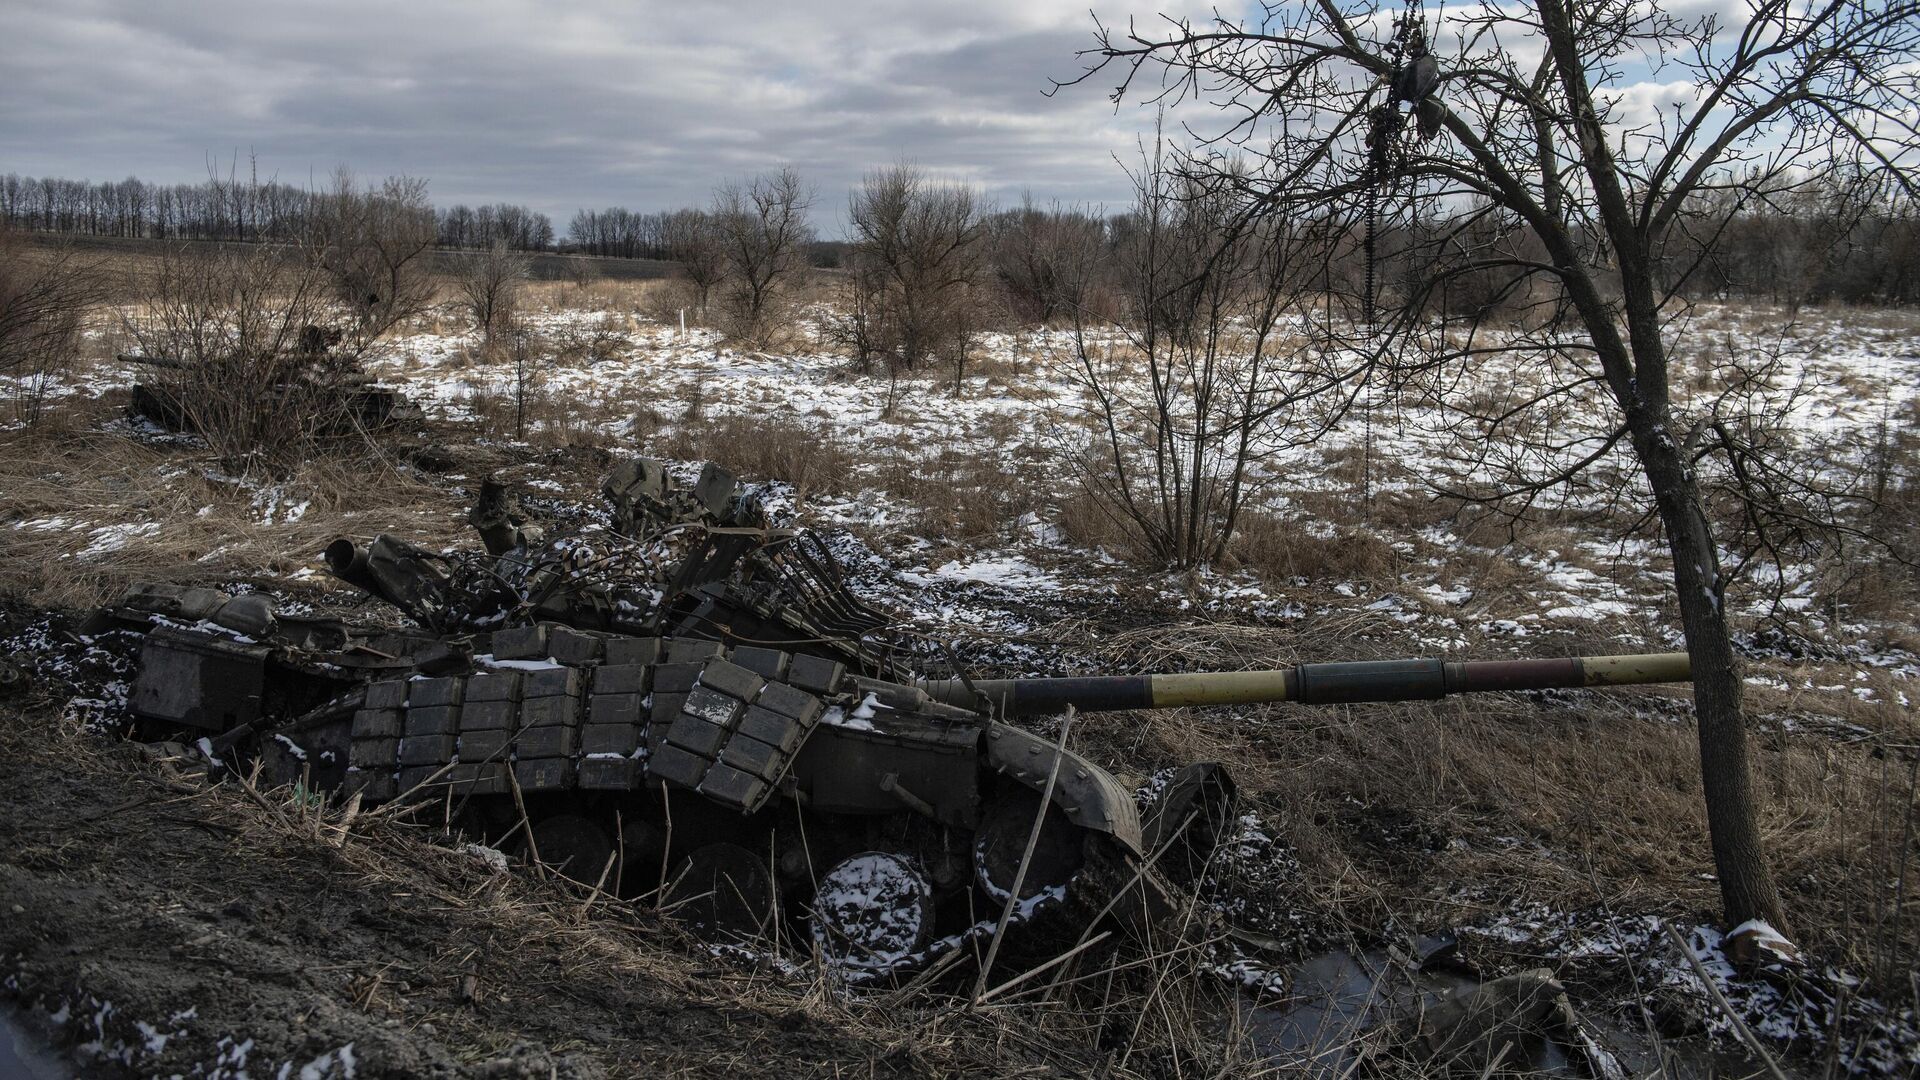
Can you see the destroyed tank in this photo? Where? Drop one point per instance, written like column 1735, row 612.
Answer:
column 690, row 705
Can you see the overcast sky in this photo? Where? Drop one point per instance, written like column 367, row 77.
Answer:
column 562, row 105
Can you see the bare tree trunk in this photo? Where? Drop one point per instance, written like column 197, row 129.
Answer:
column 1747, row 889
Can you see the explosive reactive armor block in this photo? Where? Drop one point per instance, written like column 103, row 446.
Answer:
column 785, row 700
column 563, row 711
column 377, row 723
column 692, row 650
column 569, row 646
column 198, row 679
column 614, row 709
column 753, row 757
column 547, row 740
column 485, row 745
column 622, row 739
column 373, row 753
column 609, row 773
column 432, row 720
column 712, row 706
column 730, row 786
column 767, row 663
column 373, row 785
column 423, row 693
column 676, row 766
column 521, row 643
column 731, row 679
column 550, row 682
column 545, row 774
column 675, row 678
column 633, row 650
column 426, row 749
column 478, row 778
column 620, row 679
column 489, row 716
column 387, row 694
column 696, row 735
column 766, row 726
column 816, row 675
column 493, row 686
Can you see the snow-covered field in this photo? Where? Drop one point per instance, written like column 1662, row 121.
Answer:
column 1838, row 377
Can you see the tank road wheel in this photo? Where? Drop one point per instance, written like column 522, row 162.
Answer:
column 1002, row 838
column 1195, row 811
column 573, row 846
column 722, row 890
column 872, row 911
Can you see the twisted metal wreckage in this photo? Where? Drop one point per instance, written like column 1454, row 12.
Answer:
column 696, row 701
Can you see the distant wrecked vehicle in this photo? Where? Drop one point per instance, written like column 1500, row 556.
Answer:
column 692, row 704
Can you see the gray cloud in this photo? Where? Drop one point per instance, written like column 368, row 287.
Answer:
column 587, row 104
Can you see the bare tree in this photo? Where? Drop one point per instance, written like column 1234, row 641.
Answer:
column 45, row 295
column 1035, row 253
column 694, row 242
column 374, row 245
column 1527, row 112
column 490, row 285
column 917, row 257
column 763, row 233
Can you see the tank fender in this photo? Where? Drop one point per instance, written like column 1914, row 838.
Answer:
column 1087, row 793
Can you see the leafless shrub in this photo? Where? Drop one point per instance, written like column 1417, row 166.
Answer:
column 762, row 232
column 916, row 267
column 44, row 299
column 374, row 245
column 1044, row 260
column 228, row 328
column 694, row 240
column 596, row 342
column 1208, row 289
column 670, row 301
column 490, row 285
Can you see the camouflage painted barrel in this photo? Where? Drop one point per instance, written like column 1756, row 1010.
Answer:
column 1310, row 684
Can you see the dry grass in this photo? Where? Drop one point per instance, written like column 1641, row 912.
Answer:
column 1438, row 815
column 599, row 294
column 960, row 497
column 756, row 446
column 1282, row 548
column 186, row 520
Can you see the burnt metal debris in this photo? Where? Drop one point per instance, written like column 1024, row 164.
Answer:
column 693, row 705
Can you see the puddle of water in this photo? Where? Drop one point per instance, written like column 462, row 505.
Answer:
column 1335, row 998
column 24, row 1055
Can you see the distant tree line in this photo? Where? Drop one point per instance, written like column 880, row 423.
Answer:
column 480, row 227
column 1836, row 242
column 630, row 234
column 229, row 208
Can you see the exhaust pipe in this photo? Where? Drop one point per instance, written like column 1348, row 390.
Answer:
column 347, row 561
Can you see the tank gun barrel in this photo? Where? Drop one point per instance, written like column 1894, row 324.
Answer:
column 1312, row 684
